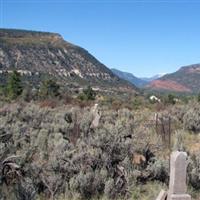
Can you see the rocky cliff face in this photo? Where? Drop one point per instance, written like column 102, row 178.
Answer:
column 35, row 54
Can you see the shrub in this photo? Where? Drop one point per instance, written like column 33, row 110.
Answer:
column 194, row 171
column 137, row 102
column 178, row 141
column 87, row 184
column 2, row 91
column 148, row 191
column 170, row 99
column 28, row 93
column 109, row 190
column 87, row 94
column 178, row 111
column 198, row 97
column 25, row 190
column 49, row 88
column 159, row 170
column 48, row 103
column 191, row 119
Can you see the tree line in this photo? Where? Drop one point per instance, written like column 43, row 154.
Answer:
column 15, row 88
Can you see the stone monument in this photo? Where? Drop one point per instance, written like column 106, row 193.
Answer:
column 177, row 183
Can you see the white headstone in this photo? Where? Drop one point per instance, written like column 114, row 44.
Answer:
column 177, row 184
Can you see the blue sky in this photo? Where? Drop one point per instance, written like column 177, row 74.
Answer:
column 141, row 37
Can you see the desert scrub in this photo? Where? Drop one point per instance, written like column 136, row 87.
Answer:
column 159, row 170
column 179, row 138
column 191, row 119
column 64, row 150
column 61, row 155
column 194, row 171
column 177, row 112
column 149, row 191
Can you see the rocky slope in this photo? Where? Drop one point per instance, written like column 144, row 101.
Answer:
column 186, row 79
column 39, row 54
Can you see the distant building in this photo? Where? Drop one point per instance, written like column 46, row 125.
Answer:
column 154, row 98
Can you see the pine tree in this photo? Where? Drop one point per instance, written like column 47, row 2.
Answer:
column 14, row 86
column 49, row 88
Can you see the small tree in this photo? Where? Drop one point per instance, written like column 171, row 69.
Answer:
column 87, row 94
column 198, row 97
column 28, row 93
column 14, row 86
column 2, row 91
column 170, row 99
column 137, row 102
column 49, row 88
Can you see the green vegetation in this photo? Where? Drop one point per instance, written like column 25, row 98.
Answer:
column 191, row 119
column 61, row 156
column 137, row 102
column 14, row 86
column 49, row 88
column 198, row 97
column 171, row 99
column 87, row 94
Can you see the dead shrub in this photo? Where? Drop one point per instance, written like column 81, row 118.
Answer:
column 48, row 103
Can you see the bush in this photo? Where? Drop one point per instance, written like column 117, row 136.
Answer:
column 178, row 111
column 169, row 99
column 194, row 171
column 137, row 102
column 191, row 119
column 159, row 170
column 2, row 91
column 29, row 93
column 48, row 103
column 49, row 88
column 198, row 97
column 148, row 191
column 87, row 94
column 178, row 141
column 109, row 190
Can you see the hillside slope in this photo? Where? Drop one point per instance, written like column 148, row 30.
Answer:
column 40, row 54
column 130, row 77
column 186, row 79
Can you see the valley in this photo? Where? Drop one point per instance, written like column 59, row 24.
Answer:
column 71, row 128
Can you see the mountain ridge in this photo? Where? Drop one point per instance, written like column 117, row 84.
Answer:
column 139, row 82
column 152, row 78
column 36, row 54
column 185, row 79
column 129, row 77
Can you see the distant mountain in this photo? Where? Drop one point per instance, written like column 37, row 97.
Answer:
column 186, row 79
column 41, row 54
column 130, row 77
column 153, row 77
